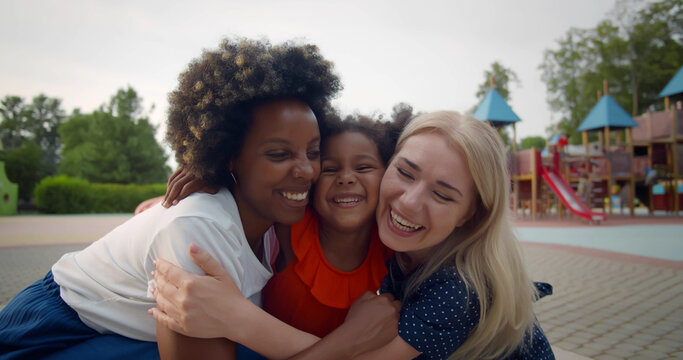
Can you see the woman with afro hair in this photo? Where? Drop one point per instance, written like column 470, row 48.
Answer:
column 244, row 119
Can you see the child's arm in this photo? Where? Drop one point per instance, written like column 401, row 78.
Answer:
column 181, row 184
column 210, row 306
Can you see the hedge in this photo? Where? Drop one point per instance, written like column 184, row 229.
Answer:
column 65, row 195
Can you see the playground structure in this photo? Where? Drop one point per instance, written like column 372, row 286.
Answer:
column 533, row 181
column 633, row 158
column 538, row 184
column 647, row 166
column 659, row 142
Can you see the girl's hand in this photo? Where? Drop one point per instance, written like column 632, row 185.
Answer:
column 373, row 320
column 148, row 204
column 181, row 184
column 197, row 306
column 371, row 323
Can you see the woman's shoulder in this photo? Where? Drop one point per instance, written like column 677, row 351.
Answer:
column 220, row 207
column 445, row 279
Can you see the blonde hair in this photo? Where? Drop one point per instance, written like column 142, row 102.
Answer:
column 484, row 250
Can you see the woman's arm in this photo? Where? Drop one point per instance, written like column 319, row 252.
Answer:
column 397, row 349
column 210, row 306
column 177, row 346
column 345, row 343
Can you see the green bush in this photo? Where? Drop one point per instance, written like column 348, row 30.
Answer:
column 65, row 195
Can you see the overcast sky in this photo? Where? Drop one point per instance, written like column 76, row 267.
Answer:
column 430, row 54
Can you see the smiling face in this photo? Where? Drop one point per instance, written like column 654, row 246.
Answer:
column 279, row 161
column 427, row 191
column 346, row 193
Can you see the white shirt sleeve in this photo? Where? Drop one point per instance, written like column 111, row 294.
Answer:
column 223, row 242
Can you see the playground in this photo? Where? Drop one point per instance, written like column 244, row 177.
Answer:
column 635, row 165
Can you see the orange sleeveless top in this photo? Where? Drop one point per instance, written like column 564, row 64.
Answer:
column 312, row 295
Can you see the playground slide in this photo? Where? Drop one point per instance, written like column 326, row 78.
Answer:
column 569, row 198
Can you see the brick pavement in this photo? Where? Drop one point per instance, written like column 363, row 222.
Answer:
column 604, row 306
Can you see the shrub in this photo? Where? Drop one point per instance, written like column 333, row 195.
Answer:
column 23, row 166
column 62, row 195
column 65, row 195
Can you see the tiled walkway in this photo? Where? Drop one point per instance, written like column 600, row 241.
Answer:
column 607, row 308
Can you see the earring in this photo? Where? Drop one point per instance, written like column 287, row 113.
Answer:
column 233, row 177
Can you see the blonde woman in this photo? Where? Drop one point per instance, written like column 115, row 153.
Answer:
column 457, row 268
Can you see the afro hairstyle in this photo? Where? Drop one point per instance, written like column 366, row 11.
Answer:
column 211, row 110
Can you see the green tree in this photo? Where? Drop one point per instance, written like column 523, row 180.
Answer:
column 30, row 141
column 23, row 166
column 637, row 53
column 502, row 77
column 113, row 144
column 528, row 142
column 12, row 122
column 563, row 71
column 655, row 51
column 44, row 116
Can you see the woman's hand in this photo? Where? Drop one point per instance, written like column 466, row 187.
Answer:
column 198, row 306
column 181, row 184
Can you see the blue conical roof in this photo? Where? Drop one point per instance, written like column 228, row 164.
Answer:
column 493, row 108
column 607, row 113
column 675, row 85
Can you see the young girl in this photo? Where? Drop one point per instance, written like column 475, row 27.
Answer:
column 243, row 117
column 333, row 255
column 457, row 268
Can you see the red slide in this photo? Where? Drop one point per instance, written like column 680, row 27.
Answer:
column 569, row 198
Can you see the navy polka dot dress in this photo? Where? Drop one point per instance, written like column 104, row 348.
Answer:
column 440, row 317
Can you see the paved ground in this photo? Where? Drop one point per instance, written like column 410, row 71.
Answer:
column 606, row 305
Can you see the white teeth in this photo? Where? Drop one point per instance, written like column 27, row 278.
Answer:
column 403, row 224
column 347, row 200
column 295, row 196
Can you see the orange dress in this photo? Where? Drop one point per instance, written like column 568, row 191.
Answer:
column 312, row 295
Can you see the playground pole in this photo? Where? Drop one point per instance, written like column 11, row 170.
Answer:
column 666, row 102
column 632, row 178
column 610, row 180
column 650, row 197
column 674, row 151
column 514, row 138
column 586, row 164
column 606, row 150
column 534, row 184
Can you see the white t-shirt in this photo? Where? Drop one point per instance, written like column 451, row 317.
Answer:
column 109, row 282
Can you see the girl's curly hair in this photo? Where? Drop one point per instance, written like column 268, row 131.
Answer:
column 211, row 110
column 383, row 134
